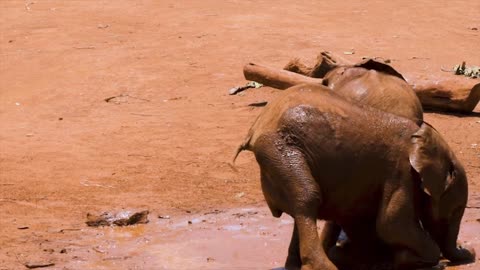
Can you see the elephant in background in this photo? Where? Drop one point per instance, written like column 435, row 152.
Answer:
column 377, row 85
column 369, row 82
column 322, row 157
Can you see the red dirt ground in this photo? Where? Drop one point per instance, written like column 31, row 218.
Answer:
column 166, row 143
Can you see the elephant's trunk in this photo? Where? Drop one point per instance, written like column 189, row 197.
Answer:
column 445, row 233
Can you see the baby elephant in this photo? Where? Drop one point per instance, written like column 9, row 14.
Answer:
column 322, row 157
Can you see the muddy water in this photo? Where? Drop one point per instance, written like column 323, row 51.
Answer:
column 246, row 238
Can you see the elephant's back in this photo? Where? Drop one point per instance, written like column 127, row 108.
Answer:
column 318, row 109
column 335, row 133
column 292, row 99
column 350, row 153
column 377, row 89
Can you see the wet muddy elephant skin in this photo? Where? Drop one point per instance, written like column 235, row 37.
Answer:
column 377, row 85
column 321, row 157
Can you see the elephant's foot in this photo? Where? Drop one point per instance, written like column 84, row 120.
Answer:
column 460, row 255
column 293, row 262
column 312, row 254
column 439, row 266
column 346, row 256
column 405, row 259
column 341, row 257
column 317, row 260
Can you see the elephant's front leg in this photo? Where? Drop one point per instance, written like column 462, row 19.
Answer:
column 399, row 227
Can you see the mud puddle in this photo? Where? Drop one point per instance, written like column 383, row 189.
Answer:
column 245, row 238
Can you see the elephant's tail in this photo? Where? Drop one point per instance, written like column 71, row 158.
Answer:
column 244, row 146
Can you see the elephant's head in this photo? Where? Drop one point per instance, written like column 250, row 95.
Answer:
column 445, row 187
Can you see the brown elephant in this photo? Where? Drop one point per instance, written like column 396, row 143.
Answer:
column 369, row 82
column 377, row 85
column 322, row 157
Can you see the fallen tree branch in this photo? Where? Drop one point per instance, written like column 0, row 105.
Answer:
column 276, row 78
column 446, row 93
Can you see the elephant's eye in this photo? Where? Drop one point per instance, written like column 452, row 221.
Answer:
column 452, row 169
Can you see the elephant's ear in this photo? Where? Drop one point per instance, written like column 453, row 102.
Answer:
column 379, row 66
column 430, row 157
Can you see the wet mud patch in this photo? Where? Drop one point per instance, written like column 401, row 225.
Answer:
column 241, row 238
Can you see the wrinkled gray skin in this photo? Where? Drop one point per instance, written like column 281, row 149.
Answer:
column 321, row 157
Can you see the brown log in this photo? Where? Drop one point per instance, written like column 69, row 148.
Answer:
column 446, row 93
column 325, row 62
column 276, row 78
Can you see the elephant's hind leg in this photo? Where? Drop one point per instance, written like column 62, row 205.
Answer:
column 288, row 184
column 294, row 261
column 328, row 238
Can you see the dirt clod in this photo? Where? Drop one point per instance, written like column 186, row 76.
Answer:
column 120, row 219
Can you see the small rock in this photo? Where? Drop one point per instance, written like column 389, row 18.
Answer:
column 102, row 26
column 190, row 222
column 107, row 219
column 136, row 218
column 38, row 265
column 258, row 104
column 163, row 217
column 216, row 211
column 239, row 195
column 63, row 251
column 210, row 259
column 23, row 228
column 240, row 215
column 60, row 118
